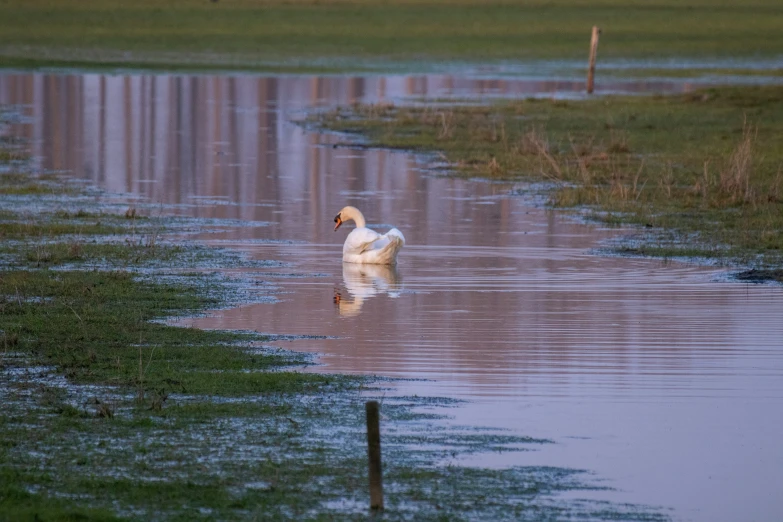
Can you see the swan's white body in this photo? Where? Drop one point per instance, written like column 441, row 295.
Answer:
column 366, row 246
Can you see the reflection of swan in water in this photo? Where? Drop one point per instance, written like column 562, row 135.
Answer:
column 363, row 282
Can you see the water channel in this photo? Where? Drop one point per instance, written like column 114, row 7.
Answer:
column 662, row 378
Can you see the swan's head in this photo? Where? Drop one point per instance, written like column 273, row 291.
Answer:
column 348, row 214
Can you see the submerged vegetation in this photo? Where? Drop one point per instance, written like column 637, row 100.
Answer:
column 701, row 172
column 109, row 413
column 323, row 35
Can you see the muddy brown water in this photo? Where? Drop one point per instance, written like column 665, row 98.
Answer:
column 664, row 379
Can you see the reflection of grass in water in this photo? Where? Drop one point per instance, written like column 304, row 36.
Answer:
column 109, row 415
column 247, row 32
column 707, row 164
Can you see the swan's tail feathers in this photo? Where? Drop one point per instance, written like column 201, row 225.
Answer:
column 395, row 235
column 395, row 244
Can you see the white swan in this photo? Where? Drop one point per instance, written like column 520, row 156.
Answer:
column 368, row 246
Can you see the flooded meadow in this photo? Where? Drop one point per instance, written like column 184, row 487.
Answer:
column 663, row 378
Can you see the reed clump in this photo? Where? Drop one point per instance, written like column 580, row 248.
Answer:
column 735, row 178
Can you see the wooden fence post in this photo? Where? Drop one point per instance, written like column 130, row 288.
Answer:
column 374, row 454
column 591, row 63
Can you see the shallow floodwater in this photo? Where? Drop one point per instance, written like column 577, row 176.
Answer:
column 662, row 378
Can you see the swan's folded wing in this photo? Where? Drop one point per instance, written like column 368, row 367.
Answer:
column 378, row 244
column 391, row 238
column 367, row 246
column 360, row 240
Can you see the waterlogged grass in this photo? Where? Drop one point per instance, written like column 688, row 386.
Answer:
column 118, row 255
column 706, row 166
column 267, row 459
column 94, row 326
column 110, row 414
column 353, row 34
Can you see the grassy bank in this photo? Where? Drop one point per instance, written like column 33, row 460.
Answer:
column 111, row 414
column 702, row 172
column 351, row 34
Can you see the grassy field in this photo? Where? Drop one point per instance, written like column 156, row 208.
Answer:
column 353, row 34
column 702, row 173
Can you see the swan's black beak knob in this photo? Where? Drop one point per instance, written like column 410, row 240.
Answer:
column 338, row 221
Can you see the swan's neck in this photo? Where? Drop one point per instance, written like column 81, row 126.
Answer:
column 357, row 217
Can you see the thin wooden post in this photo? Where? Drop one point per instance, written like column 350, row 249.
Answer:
column 374, row 454
column 591, row 63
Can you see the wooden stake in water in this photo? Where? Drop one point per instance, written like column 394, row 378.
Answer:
column 374, row 454
column 591, row 63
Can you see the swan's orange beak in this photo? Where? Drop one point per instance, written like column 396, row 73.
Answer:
column 338, row 221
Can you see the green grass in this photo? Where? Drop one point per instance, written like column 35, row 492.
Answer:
column 9, row 155
column 352, row 34
column 95, row 325
column 15, row 229
column 706, row 165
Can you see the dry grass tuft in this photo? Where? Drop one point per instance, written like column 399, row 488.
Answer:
column 158, row 400
column 583, row 152
column 494, row 167
column 534, row 143
column 776, row 191
column 619, row 143
column 667, row 180
column 735, row 179
column 446, row 125
column 75, row 249
column 103, row 409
